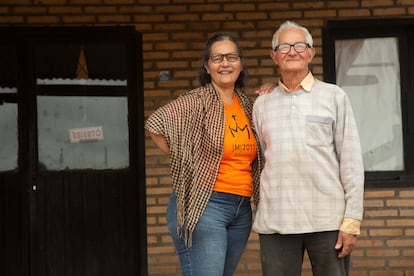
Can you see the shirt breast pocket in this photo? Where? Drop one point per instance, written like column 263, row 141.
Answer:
column 319, row 130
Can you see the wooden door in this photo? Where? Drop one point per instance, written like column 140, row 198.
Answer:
column 82, row 170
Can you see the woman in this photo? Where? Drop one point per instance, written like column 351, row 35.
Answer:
column 215, row 163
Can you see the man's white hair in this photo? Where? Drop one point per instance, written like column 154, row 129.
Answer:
column 291, row 25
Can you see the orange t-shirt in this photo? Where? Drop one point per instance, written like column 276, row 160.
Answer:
column 235, row 173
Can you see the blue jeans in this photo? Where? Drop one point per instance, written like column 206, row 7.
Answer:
column 283, row 254
column 219, row 238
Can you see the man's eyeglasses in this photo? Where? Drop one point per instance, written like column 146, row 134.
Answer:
column 230, row 57
column 299, row 47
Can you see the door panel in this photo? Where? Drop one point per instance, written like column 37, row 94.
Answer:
column 13, row 237
column 85, row 224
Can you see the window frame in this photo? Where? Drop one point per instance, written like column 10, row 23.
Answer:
column 403, row 30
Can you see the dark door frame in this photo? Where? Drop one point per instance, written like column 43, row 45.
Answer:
column 23, row 37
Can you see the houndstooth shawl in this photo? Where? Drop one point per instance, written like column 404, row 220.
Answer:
column 194, row 126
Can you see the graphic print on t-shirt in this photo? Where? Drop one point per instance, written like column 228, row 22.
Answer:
column 234, row 130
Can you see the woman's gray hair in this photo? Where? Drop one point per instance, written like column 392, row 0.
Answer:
column 291, row 25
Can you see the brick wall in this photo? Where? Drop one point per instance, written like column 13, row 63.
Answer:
column 174, row 32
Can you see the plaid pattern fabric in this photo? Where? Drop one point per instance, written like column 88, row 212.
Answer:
column 193, row 125
column 313, row 173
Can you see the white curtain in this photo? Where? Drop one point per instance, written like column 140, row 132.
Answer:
column 369, row 71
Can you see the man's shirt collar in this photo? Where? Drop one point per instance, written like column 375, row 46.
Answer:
column 305, row 84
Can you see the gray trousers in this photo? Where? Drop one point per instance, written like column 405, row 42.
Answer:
column 282, row 255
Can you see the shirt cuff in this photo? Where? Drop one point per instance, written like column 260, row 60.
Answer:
column 350, row 226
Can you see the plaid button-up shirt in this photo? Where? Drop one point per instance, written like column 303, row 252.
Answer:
column 313, row 175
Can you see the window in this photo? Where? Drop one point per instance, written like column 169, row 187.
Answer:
column 372, row 61
column 82, row 107
column 82, row 132
column 8, row 109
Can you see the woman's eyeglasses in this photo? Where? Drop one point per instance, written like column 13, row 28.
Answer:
column 230, row 57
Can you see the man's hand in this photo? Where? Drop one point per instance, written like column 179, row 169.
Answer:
column 265, row 88
column 344, row 244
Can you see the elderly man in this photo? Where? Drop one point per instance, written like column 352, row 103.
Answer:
column 311, row 191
